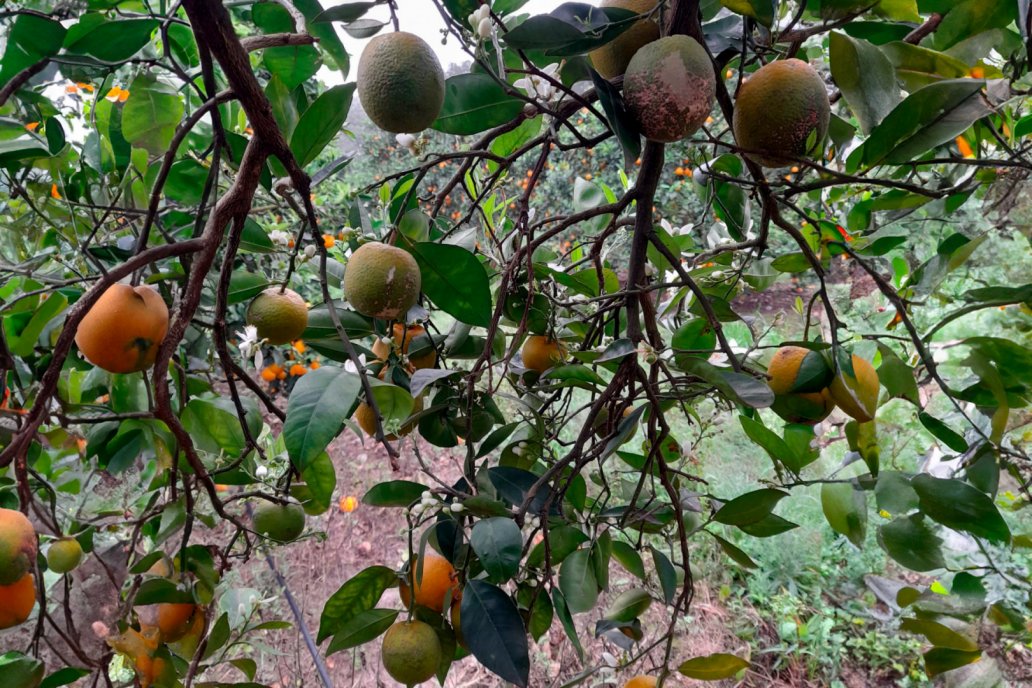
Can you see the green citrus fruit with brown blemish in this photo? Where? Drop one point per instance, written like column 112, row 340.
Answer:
column 17, row 546
column 781, row 113
column 611, row 59
column 856, row 393
column 400, row 83
column 64, row 555
column 122, row 331
column 669, row 88
column 280, row 315
column 411, row 652
column 382, row 281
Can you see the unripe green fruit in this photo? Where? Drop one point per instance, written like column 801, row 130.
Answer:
column 279, row 522
column 64, row 555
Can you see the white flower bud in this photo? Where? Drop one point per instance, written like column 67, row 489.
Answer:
column 427, row 494
column 261, row 472
column 405, row 140
column 457, row 507
column 484, row 28
column 310, row 251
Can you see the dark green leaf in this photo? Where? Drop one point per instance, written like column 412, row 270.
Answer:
column 499, row 545
column 357, row 595
column 21, row 671
column 939, row 660
column 318, row 405
column 912, row 543
column 578, row 582
column 474, row 103
column 845, row 508
column 749, row 508
column 150, row 116
column 109, row 41
column 961, row 506
column 943, row 432
column 400, row 493
column 321, row 122
column 866, row 78
column 938, row 634
column 494, row 631
column 455, row 281
column 667, row 575
column 361, row 628
column 733, row 551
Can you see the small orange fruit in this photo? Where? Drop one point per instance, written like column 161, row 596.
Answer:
column 64, row 555
column 280, row 315
column 411, row 652
column 175, row 619
column 438, row 579
column 541, row 353
column 403, row 338
column 121, row 333
column 17, row 601
column 641, row 681
column 382, row 281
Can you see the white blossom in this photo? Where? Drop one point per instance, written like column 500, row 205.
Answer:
column 250, row 345
column 539, row 88
column 485, row 27
column 310, row 251
column 407, row 141
column 349, row 365
column 261, row 472
column 280, row 238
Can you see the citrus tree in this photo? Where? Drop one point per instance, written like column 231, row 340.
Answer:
column 167, row 242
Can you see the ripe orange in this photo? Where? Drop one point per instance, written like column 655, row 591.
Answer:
column 611, row 59
column 140, row 647
column 403, row 338
column 382, row 281
column 857, row 394
column 438, row 579
column 17, row 601
column 17, row 546
column 121, row 333
column 411, row 652
column 541, row 353
column 281, row 316
column 642, row 681
column 799, row 377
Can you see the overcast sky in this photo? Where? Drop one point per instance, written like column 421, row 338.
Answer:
column 421, row 18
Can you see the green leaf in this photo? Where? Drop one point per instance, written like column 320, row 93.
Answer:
column 562, row 541
column 361, row 628
column 400, row 493
column 912, row 543
column 499, row 545
column 713, row 667
column 30, row 39
column 749, row 508
column 359, row 594
column 769, row 526
column 927, row 118
column 64, row 677
column 214, row 427
column 255, row 239
column 744, row 389
column 629, row 605
column 961, row 506
column 455, row 281
column 970, row 17
column 320, row 123
column 109, row 41
column 735, row 552
column 21, row 671
column 696, row 339
column 158, row 590
column 578, row 583
column 494, row 631
column 316, row 411
column 474, row 103
column 939, row 635
column 27, row 338
column 244, row 286
column 559, row 604
column 573, row 28
column 151, row 114
column 629, row 558
column 894, row 493
column 619, row 119
column 294, row 64
column 760, row 10
column 943, row 432
column 866, row 78
column 347, row 12
column 329, row 41
column 667, row 574
column 939, row 660
column 321, row 480
column 845, row 508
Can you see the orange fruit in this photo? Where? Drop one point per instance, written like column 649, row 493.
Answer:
column 176, row 619
column 799, row 378
column 541, row 353
column 382, row 281
column 612, row 58
column 411, row 652
column 17, row 546
column 642, row 681
column 140, row 647
column 403, row 338
column 781, row 113
column 279, row 522
column 281, row 316
column 438, row 579
column 17, row 601
column 121, row 333
column 857, row 394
